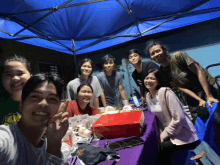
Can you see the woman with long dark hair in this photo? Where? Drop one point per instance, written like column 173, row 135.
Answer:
column 177, row 132
column 16, row 71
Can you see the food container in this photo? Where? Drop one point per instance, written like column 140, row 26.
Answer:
column 84, row 132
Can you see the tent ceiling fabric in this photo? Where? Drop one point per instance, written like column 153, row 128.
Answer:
column 89, row 25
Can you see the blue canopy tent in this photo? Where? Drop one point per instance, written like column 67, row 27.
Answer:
column 82, row 26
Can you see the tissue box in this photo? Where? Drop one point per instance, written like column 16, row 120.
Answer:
column 119, row 125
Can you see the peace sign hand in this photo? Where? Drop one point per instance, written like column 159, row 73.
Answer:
column 58, row 124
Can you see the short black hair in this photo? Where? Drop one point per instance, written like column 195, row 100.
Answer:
column 161, row 81
column 84, row 84
column 84, row 61
column 133, row 51
column 39, row 78
column 152, row 43
column 20, row 59
column 108, row 57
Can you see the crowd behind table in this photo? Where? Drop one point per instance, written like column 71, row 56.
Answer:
column 31, row 104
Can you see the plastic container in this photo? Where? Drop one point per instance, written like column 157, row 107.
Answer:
column 84, row 132
column 68, row 138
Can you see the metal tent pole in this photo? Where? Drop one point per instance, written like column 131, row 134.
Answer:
column 130, row 12
column 74, row 54
column 37, row 20
column 60, row 7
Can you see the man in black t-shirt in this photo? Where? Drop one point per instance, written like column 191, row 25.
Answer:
column 141, row 69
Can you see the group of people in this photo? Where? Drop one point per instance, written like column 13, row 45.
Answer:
column 103, row 86
column 31, row 104
column 178, row 70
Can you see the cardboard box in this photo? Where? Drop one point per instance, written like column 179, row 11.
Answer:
column 119, row 125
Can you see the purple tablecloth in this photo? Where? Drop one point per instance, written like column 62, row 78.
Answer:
column 141, row 154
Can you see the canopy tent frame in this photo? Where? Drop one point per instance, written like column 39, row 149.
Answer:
column 74, row 53
column 65, row 5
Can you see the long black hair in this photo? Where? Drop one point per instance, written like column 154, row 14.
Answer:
column 17, row 58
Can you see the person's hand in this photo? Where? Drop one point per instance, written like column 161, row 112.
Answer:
column 143, row 101
column 210, row 100
column 202, row 103
column 161, row 140
column 198, row 156
column 57, row 127
column 63, row 105
column 58, row 124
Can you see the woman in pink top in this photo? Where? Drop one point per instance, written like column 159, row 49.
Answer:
column 177, row 132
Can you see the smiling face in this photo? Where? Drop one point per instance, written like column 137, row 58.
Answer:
column 134, row 58
column 157, row 54
column 40, row 105
column 86, row 69
column 151, row 82
column 109, row 66
column 14, row 77
column 85, row 94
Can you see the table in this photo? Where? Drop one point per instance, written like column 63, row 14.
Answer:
column 141, row 154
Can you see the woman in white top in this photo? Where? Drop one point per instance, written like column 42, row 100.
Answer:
column 85, row 72
column 177, row 132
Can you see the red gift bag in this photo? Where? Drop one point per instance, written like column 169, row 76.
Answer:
column 119, row 124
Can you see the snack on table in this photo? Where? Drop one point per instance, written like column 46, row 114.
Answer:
column 110, row 108
column 101, row 110
column 136, row 109
column 76, row 120
column 84, row 132
column 127, row 108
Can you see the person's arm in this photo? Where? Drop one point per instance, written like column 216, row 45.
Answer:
column 142, row 94
column 97, row 102
column 122, row 92
column 69, row 110
column 68, row 92
column 7, row 143
column 101, row 91
column 120, row 87
column 103, row 99
column 176, row 111
column 94, row 110
column 192, row 94
column 98, row 91
column 199, row 73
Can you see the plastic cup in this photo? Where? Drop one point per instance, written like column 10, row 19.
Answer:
column 125, row 102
